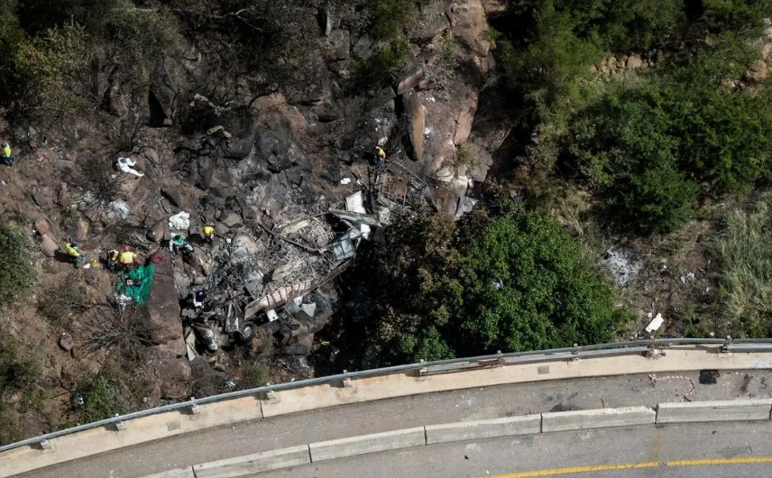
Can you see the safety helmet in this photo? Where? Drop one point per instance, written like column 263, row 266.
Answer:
column 126, row 248
column 4, row 145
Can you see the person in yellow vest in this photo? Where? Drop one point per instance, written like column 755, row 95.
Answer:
column 380, row 157
column 72, row 251
column 208, row 232
column 5, row 152
column 127, row 258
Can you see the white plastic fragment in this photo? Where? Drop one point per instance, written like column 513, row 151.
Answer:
column 655, row 324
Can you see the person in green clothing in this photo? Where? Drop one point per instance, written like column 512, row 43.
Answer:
column 177, row 243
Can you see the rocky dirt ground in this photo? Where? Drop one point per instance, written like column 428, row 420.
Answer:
column 255, row 168
column 252, row 168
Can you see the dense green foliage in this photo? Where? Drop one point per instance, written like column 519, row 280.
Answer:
column 510, row 283
column 650, row 143
column 17, row 269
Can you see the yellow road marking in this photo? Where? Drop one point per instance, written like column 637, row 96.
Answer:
column 630, row 466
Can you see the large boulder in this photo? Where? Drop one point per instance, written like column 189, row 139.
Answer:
column 469, row 25
column 164, row 310
column 48, row 246
column 431, row 22
column 417, row 117
column 465, row 116
column 240, row 124
column 174, row 378
column 410, row 79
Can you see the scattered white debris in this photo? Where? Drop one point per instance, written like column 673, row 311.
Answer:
column 118, row 207
column 272, row 315
column 427, row 132
column 309, row 309
column 355, row 203
column 623, row 264
column 688, row 277
column 365, row 230
column 345, row 181
column 655, row 324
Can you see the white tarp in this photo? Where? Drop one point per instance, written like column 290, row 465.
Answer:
column 180, row 221
column 127, row 166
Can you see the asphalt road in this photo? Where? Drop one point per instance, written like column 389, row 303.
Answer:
column 667, row 451
column 446, row 407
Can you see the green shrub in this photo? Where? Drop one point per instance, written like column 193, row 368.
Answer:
column 389, row 18
column 101, row 400
column 21, row 369
column 659, row 198
column 510, row 283
column 17, row 269
column 646, row 149
column 741, row 17
column 10, row 427
column 376, row 73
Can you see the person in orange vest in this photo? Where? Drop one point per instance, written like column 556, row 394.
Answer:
column 127, row 258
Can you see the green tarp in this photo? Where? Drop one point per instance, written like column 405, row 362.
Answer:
column 143, row 280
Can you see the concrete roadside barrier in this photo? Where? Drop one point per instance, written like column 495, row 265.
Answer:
column 186, row 472
column 479, row 429
column 361, row 445
column 723, row 411
column 600, row 418
column 248, row 465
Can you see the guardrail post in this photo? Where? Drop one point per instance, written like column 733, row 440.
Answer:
column 194, row 408
column 726, row 348
column 346, row 380
column 119, row 425
column 575, row 353
column 270, row 395
column 45, row 444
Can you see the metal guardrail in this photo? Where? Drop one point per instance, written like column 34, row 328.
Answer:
column 423, row 368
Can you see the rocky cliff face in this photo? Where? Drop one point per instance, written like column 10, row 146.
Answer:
column 252, row 166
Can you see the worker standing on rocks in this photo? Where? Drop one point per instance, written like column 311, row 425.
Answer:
column 128, row 257
column 5, row 152
column 380, row 157
column 178, row 242
column 73, row 253
column 208, row 233
column 112, row 259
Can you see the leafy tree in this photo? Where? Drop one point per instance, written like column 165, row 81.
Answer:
column 514, row 282
column 17, row 269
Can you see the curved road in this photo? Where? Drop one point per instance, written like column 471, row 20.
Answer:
column 487, row 458
column 726, row 450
